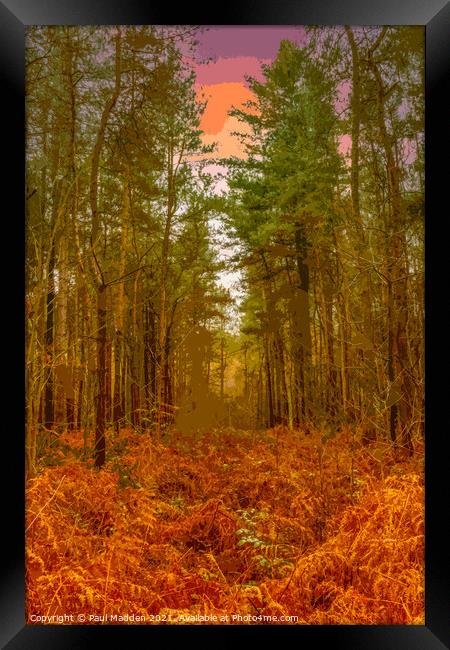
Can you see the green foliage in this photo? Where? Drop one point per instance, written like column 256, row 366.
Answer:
column 249, row 534
column 251, row 537
column 126, row 478
column 293, row 164
column 178, row 502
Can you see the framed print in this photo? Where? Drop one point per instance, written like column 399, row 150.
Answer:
column 233, row 300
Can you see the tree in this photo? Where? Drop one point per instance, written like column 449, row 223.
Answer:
column 284, row 191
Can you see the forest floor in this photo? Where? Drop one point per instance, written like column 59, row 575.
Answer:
column 258, row 525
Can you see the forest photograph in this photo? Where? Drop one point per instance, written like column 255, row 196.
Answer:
column 224, row 298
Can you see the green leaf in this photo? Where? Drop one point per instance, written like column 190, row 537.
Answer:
column 241, row 531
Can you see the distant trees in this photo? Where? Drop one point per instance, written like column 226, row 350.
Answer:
column 126, row 322
column 333, row 251
column 112, row 125
column 283, row 212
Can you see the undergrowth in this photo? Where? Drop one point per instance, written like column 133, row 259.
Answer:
column 276, row 523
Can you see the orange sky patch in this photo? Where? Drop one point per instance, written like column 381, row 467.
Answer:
column 221, row 97
column 227, row 143
column 218, row 126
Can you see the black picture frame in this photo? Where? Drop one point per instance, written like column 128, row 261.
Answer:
column 15, row 16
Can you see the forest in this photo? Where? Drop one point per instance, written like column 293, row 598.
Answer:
column 224, row 348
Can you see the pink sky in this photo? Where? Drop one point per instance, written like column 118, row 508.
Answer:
column 230, row 69
column 233, row 54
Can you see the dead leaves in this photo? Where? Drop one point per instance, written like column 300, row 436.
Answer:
column 174, row 544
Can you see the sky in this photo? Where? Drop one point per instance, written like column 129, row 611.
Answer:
column 225, row 56
column 232, row 53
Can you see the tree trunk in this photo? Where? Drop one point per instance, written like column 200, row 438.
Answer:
column 100, row 448
column 222, row 367
column 161, row 379
column 400, row 416
column 270, row 412
column 356, row 125
column 302, row 317
column 49, row 402
column 118, row 410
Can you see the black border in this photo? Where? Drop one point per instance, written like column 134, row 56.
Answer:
column 15, row 15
